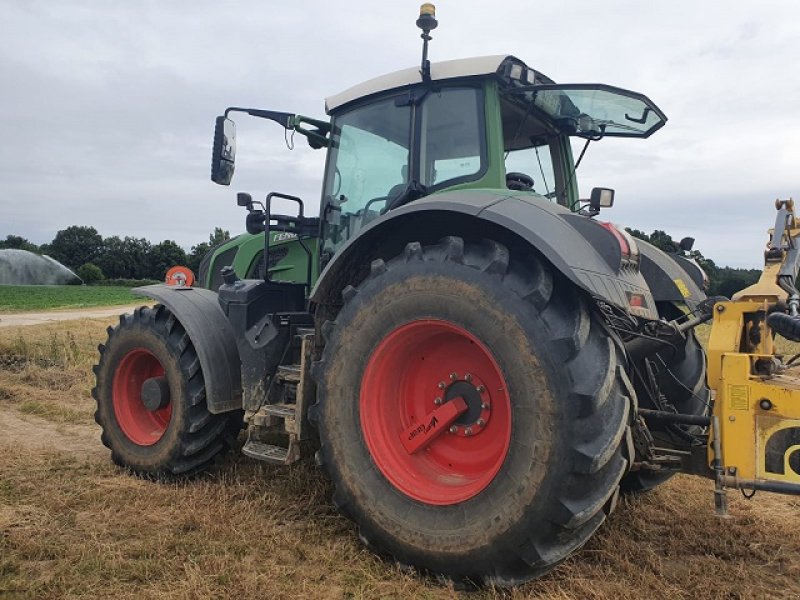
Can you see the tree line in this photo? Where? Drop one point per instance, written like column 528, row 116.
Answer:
column 723, row 281
column 94, row 258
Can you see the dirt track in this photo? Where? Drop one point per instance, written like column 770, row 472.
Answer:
column 50, row 316
column 30, row 432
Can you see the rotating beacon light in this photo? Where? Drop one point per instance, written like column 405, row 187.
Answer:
column 427, row 22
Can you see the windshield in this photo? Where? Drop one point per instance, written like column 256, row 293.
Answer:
column 596, row 110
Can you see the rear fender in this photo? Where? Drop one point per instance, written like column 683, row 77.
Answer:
column 582, row 250
column 200, row 314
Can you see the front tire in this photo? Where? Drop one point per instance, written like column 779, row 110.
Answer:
column 681, row 377
column 523, row 490
column 151, row 400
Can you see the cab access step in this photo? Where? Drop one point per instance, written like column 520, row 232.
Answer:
column 278, row 431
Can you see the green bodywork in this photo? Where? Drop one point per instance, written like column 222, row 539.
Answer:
column 245, row 251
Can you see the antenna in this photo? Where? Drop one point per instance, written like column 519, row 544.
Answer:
column 427, row 22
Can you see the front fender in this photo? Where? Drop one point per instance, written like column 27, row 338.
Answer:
column 200, row 314
column 586, row 253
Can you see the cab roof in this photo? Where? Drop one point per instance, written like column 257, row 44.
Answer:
column 449, row 69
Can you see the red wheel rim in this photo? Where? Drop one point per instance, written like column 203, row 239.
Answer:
column 413, row 366
column 140, row 425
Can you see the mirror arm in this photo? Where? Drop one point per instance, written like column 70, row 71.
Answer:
column 317, row 137
column 281, row 118
column 322, row 126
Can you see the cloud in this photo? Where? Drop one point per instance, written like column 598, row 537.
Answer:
column 108, row 109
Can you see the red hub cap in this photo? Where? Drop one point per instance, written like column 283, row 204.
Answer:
column 409, row 381
column 142, row 426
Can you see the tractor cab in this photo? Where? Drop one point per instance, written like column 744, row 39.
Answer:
column 486, row 123
column 478, row 123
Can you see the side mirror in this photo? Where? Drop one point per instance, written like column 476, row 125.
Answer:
column 223, row 155
column 601, row 198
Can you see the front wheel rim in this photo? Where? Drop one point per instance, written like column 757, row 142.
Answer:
column 140, row 425
column 416, row 368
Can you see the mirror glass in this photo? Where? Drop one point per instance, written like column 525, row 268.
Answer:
column 224, row 151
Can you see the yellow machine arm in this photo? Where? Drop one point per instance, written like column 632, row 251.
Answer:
column 754, row 441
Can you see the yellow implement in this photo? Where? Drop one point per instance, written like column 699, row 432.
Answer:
column 754, row 441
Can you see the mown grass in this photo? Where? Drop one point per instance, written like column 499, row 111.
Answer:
column 74, row 526
column 19, row 298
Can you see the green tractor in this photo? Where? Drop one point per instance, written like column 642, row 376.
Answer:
column 469, row 350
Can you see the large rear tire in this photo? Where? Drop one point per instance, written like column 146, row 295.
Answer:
column 151, row 400
column 536, row 475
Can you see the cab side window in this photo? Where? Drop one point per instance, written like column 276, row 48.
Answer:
column 452, row 136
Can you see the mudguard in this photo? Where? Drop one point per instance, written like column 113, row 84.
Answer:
column 199, row 312
column 579, row 247
column 671, row 279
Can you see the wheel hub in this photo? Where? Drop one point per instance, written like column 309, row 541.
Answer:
column 473, row 391
column 155, row 393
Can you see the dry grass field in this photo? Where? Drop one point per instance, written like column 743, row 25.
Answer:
column 74, row 526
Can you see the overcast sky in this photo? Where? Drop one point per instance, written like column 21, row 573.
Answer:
column 107, row 108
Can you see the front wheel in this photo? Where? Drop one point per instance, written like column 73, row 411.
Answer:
column 151, row 400
column 471, row 413
column 680, row 374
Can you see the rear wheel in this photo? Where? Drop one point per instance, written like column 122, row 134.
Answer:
column 151, row 401
column 471, row 413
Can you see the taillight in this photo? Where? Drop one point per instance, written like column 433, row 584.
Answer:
column 627, row 245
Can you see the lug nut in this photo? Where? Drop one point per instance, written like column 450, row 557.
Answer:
column 468, row 431
column 453, row 429
column 468, row 377
column 437, row 401
column 480, row 422
column 485, row 405
column 442, row 385
column 453, row 376
column 481, row 389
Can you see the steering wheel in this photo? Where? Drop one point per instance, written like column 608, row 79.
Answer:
column 519, row 182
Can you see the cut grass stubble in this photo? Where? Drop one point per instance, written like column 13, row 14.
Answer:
column 72, row 525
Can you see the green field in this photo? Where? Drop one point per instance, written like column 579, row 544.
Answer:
column 21, row 298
